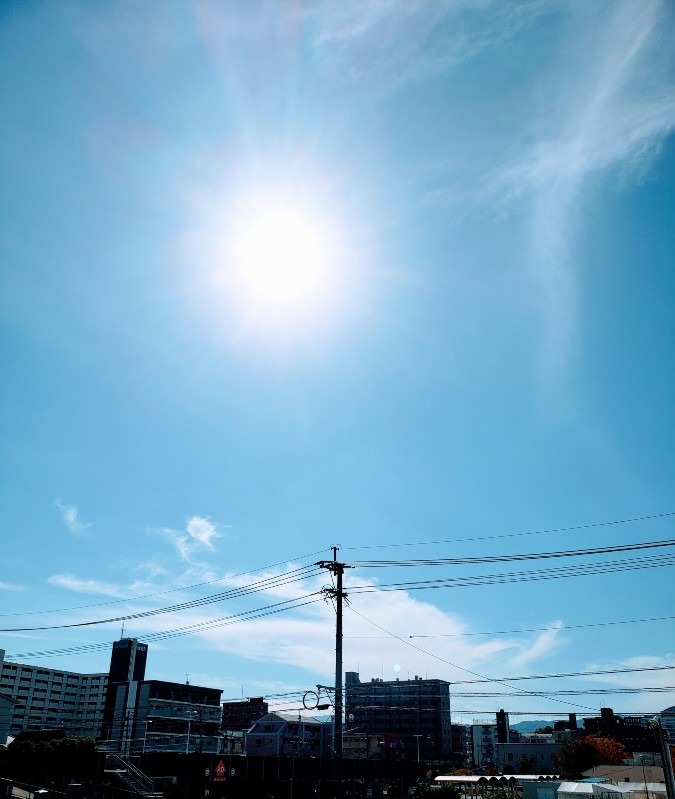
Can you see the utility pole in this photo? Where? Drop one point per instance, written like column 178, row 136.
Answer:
column 666, row 760
column 338, row 594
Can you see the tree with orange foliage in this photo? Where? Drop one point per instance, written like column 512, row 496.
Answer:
column 578, row 756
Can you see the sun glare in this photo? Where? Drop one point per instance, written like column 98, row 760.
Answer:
column 282, row 260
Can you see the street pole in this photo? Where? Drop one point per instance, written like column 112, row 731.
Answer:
column 417, row 737
column 338, row 595
column 666, row 760
column 339, row 570
column 190, row 716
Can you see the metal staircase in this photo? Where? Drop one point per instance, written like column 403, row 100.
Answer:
column 131, row 777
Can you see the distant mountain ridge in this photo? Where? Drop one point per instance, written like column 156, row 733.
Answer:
column 530, row 726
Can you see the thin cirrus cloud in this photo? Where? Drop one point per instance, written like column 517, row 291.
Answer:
column 405, row 42
column 10, row 586
column 70, row 517
column 72, row 583
column 610, row 104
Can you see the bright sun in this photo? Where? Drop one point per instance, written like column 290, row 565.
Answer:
column 282, row 259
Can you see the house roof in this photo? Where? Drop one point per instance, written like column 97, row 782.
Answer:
column 576, row 787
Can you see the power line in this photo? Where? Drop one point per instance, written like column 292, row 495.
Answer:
column 579, row 570
column 166, row 591
column 261, row 586
column 588, row 692
column 237, row 618
column 538, row 629
column 587, row 526
column 443, row 660
column 568, row 553
column 565, row 674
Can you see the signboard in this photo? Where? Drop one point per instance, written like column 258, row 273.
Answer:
column 219, row 772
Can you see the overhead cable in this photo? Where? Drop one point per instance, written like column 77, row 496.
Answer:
column 567, row 553
column 573, row 528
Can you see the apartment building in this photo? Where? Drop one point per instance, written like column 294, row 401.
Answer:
column 50, row 698
column 411, row 716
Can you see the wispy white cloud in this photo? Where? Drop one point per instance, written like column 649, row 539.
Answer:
column 84, row 586
column 406, row 41
column 544, row 644
column 610, row 103
column 642, row 679
column 70, row 516
column 194, row 542
column 202, row 530
column 4, row 586
column 378, row 635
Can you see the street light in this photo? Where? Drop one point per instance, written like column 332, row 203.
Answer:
column 190, row 715
column 145, row 736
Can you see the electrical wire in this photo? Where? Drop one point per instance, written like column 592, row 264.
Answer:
column 236, row 618
column 568, row 553
column 579, row 570
column 443, row 660
column 573, row 528
column 167, row 591
column 277, row 581
column 537, row 629
column 565, row 674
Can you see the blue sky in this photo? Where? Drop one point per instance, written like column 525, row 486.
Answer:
column 484, row 349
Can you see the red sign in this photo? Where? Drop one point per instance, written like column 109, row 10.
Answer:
column 219, row 772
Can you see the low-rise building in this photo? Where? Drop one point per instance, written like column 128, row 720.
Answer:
column 484, row 739
column 277, row 734
column 528, row 757
column 160, row 716
column 636, row 733
column 240, row 715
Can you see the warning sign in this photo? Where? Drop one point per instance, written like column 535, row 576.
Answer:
column 219, row 772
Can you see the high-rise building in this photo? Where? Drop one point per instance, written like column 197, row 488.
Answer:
column 411, row 716
column 127, row 665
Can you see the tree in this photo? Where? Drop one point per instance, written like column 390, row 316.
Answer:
column 578, row 756
column 65, row 758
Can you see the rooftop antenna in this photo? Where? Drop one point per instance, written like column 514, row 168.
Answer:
column 122, row 636
column 187, row 678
